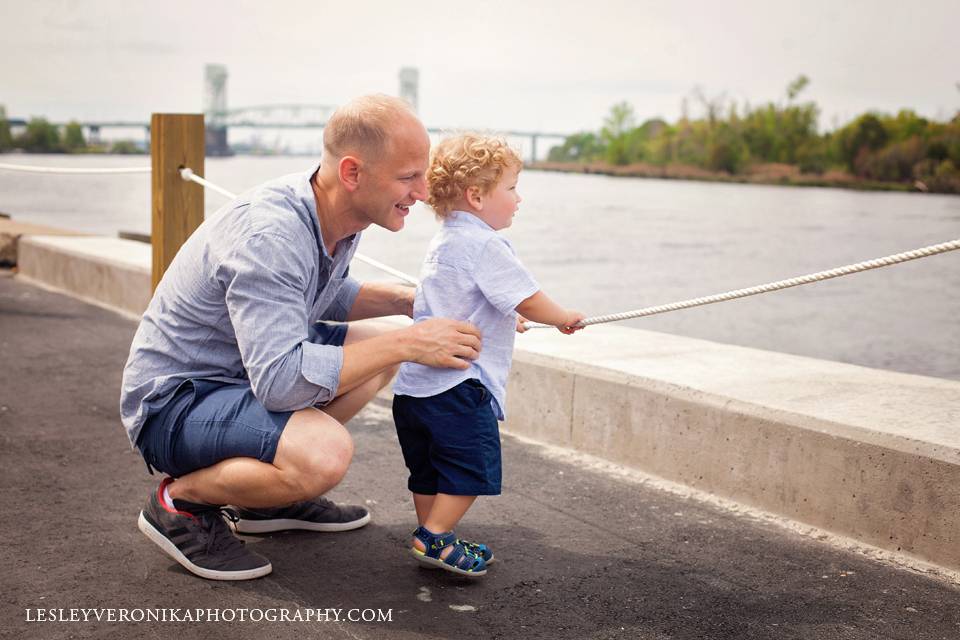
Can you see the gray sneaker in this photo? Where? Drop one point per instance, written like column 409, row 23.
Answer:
column 318, row 514
column 196, row 536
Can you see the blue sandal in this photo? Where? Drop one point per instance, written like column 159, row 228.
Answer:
column 478, row 549
column 460, row 560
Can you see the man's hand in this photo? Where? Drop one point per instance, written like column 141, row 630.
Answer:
column 443, row 343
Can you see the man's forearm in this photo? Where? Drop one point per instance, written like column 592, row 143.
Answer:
column 363, row 360
column 379, row 299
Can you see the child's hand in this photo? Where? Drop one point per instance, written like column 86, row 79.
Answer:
column 521, row 328
column 573, row 317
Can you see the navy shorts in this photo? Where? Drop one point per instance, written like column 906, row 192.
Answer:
column 450, row 441
column 205, row 422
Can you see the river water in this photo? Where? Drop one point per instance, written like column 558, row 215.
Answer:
column 603, row 245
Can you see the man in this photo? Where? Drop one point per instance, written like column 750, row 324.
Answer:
column 238, row 385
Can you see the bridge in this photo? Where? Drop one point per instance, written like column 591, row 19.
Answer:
column 280, row 116
column 219, row 119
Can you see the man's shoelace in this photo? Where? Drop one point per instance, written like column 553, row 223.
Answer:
column 219, row 537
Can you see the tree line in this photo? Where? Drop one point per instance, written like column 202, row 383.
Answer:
column 42, row 136
column 737, row 141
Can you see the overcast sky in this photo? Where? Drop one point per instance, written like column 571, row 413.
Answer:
column 549, row 66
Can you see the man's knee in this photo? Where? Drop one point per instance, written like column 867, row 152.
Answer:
column 316, row 455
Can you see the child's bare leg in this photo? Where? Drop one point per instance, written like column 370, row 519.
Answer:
column 423, row 503
column 444, row 516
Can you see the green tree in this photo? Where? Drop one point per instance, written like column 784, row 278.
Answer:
column 40, row 137
column 859, row 138
column 579, row 147
column 125, row 147
column 726, row 150
column 616, row 128
column 6, row 140
column 73, row 140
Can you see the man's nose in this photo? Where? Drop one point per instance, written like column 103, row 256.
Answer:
column 420, row 189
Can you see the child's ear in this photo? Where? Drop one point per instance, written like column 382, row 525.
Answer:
column 474, row 197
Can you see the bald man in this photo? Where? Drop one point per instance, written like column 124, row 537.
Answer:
column 252, row 355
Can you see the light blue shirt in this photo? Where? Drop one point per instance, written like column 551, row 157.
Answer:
column 470, row 273
column 237, row 304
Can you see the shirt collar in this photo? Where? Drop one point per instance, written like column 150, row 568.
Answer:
column 466, row 219
column 309, row 201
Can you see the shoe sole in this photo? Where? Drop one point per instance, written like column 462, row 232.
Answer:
column 433, row 563
column 211, row 574
column 430, row 566
column 283, row 524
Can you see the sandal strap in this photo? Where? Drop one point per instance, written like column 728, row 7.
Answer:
column 462, row 559
column 434, row 543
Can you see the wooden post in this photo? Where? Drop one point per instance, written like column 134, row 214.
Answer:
column 176, row 140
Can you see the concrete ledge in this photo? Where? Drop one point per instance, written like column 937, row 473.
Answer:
column 108, row 271
column 12, row 230
column 868, row 454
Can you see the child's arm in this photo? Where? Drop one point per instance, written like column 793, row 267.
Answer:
column 540, row 308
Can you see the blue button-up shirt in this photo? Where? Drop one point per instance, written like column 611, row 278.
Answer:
column 470, row 273
column 237, row 303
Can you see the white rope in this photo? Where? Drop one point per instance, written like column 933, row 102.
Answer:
column 394, row 272
column 773, row 286
column 26, row 168
column 187, row 174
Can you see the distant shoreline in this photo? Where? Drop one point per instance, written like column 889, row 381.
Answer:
column 767, row 174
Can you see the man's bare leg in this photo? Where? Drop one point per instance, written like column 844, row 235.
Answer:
column 312, row 457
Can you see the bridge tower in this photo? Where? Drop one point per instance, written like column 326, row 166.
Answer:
column 410, row 85
column 215, row 108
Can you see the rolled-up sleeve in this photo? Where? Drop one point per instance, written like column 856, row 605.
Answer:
column 266, row 280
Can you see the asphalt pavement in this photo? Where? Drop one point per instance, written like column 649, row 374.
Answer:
column 580, row 553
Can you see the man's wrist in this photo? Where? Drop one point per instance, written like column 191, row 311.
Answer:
column 404, row 300
column 402, row 339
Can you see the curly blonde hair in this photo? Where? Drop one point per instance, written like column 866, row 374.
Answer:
column 464, row 161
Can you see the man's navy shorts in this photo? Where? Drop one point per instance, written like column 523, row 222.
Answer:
column 450, row 441
column 206, row 421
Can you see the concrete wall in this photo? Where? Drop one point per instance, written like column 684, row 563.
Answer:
column 108, row 271
column 872, row 455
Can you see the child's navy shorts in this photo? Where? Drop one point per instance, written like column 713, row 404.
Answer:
column 206, row 421
column 450, row 441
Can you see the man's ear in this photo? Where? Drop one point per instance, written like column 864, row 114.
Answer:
column 349, row 172
column 474, row 197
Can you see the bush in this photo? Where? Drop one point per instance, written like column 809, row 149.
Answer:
column 40, row 137
column 73, row 137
